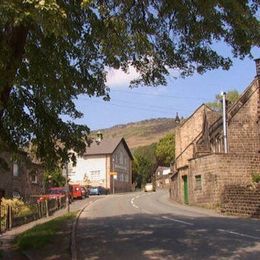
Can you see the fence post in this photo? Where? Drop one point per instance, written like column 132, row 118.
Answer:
column 47, row 208
column 0, row 215
column 9, row 217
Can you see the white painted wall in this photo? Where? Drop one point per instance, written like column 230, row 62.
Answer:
column 94, row 168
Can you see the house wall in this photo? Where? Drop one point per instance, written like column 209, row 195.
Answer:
column 22, row 184
column 177, row 184
column 244, row 128
column 122, row 164
column 91, row 168
column 185, row 135
column 218, row 171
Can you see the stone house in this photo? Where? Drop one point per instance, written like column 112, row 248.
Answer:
column 162, row 177
column 202, row 171
column 22, row 178
column 100, row 161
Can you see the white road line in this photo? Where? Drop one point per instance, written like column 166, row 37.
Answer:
column 177, row 220
column 133, row 204
column 239, row 234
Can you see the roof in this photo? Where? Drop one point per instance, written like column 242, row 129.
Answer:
column 107, row 146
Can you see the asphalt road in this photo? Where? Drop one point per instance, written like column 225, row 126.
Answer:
column 149, row 226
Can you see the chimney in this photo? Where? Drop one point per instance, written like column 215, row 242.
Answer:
column 257, row 65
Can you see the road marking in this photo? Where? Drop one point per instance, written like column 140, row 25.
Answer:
column 177, row 220
column 239, row 234
column 133, row 204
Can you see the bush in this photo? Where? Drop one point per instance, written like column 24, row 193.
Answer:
column 19, row 208
column 256, row 177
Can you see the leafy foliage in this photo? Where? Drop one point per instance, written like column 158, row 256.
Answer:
column 54, row 178
column 256, row 177
column 52, row 51
column 165, row 150
column 231, row 96
column 144, row 165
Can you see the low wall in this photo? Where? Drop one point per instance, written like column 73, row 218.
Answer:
column 241, row 200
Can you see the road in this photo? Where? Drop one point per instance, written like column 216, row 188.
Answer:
column 149, row 226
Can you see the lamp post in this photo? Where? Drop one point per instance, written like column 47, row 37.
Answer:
column 224, row 122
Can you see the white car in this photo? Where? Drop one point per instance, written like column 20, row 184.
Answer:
column 148, row 187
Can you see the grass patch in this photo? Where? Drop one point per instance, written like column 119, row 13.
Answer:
column 41, row 235
column 1, row 254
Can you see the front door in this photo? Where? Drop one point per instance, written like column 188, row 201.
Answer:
column 185, row 185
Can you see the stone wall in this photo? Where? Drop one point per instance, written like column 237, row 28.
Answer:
column 217, row 171
column 22, row 183
column 185, row 135
column 241, row 200
column 244, row 127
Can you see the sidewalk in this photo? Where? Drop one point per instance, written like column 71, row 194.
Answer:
column 6, row 238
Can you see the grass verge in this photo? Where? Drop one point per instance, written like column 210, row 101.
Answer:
column 42, row 234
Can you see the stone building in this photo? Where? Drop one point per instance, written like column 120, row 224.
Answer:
column 100, row 161
column 202, row 171
column 162, row 177
column 22, row 178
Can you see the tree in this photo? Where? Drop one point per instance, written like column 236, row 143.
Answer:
column 231, row 96
column 144, row 165
column 165, row 150
column 54, row 178
column 52, row 51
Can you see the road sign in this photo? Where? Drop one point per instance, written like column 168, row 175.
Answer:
column 113, row 173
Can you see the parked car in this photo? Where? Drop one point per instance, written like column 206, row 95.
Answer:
column 53, row 193
column 95, row 191
column 149, row 187
column 84, row 192
column 77, row 191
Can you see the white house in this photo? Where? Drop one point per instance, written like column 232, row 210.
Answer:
column 100, row 161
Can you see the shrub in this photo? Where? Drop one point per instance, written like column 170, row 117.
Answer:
column 256, row 177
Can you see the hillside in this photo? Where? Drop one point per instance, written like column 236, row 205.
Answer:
column 143, row 132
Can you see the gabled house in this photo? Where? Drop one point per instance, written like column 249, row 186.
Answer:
column 202, row 170
column 100, row 161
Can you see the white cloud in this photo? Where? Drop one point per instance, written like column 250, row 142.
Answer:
column 118, row 78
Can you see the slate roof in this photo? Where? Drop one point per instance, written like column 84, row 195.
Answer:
column 107, row 146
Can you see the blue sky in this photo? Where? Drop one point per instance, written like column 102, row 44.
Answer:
column 180, row 95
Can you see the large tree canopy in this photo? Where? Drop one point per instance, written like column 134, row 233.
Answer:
column 53, row 50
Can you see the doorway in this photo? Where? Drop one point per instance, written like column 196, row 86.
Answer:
column 185, row 189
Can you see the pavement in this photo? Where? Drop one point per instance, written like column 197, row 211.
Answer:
column 6, row 238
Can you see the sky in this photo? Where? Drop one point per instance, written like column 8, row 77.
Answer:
column 180, row 96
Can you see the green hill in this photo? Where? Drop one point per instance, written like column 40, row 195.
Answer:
column 141, row 133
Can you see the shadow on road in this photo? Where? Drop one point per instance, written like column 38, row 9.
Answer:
column 146, row 236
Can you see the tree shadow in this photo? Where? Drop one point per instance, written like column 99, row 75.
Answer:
column 146, row 236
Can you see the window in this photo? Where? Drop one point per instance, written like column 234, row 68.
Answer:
column 15, row 169
column 16, row 195
column 198, row 182
column 34, row 178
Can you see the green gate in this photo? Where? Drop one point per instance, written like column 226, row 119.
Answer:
column 186, row 193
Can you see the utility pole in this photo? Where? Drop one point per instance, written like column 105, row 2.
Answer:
column 224, row 122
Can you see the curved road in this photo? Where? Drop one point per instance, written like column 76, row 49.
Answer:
column 149, row 226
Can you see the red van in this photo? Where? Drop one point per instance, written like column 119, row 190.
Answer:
column 76, row 191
